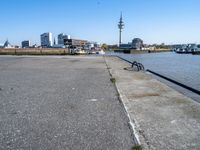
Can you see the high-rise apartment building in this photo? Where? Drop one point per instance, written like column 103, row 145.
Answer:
column 46, row 39
column 62, row 37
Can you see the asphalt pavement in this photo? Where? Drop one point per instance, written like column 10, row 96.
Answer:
column 60, row 103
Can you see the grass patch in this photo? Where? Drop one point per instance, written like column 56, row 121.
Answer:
column 113, row 80
column 137, row 147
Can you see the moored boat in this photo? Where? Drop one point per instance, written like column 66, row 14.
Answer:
column 101, row 52
column 196, row 53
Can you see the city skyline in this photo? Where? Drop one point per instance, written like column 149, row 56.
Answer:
column 169, row 22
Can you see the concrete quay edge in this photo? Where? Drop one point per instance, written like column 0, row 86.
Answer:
column 123, row 99
column 184, row 107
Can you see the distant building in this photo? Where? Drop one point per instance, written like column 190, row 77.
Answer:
column 113, row 46
column 92, row 46
column 16, row 46
column 126, row 46
column 26, row 44
column 89, row 46
column 178, row 46
column 34, row 46
column 75, row 42
column 62, row 37
column 149, row 47
column 46, row 39
column 137, row 44
column 7, row 44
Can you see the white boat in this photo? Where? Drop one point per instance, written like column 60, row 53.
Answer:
column 101, row 52
column 79, row 51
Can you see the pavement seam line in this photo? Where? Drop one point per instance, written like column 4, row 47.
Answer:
column 132, row 125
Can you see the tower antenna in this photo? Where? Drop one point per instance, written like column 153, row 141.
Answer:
column 120, row 26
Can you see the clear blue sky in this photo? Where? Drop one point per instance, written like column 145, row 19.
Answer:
column 155, row 21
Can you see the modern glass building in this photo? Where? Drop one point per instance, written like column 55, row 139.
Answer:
column 26, row 44
column 62, row 37
column 46, row 39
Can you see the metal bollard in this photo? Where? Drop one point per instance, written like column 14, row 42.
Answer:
column 139, row 66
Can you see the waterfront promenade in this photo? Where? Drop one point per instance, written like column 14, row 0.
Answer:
column 69, row 102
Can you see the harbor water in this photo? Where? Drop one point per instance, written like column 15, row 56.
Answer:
column 184, row 68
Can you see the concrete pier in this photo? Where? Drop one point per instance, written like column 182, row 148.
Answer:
column 161, row 117
column 69, row 102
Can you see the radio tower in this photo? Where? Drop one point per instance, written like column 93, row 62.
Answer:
column 120, row 26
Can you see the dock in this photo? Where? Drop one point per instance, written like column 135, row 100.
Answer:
column 91, row 102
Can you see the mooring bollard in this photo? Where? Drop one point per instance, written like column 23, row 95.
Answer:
column 139, row 66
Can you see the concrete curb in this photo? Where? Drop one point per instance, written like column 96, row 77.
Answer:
column 123, row 99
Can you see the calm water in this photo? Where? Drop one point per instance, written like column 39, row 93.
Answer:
column 184, row 68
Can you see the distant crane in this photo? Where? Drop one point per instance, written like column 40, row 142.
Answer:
column 120, row 26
